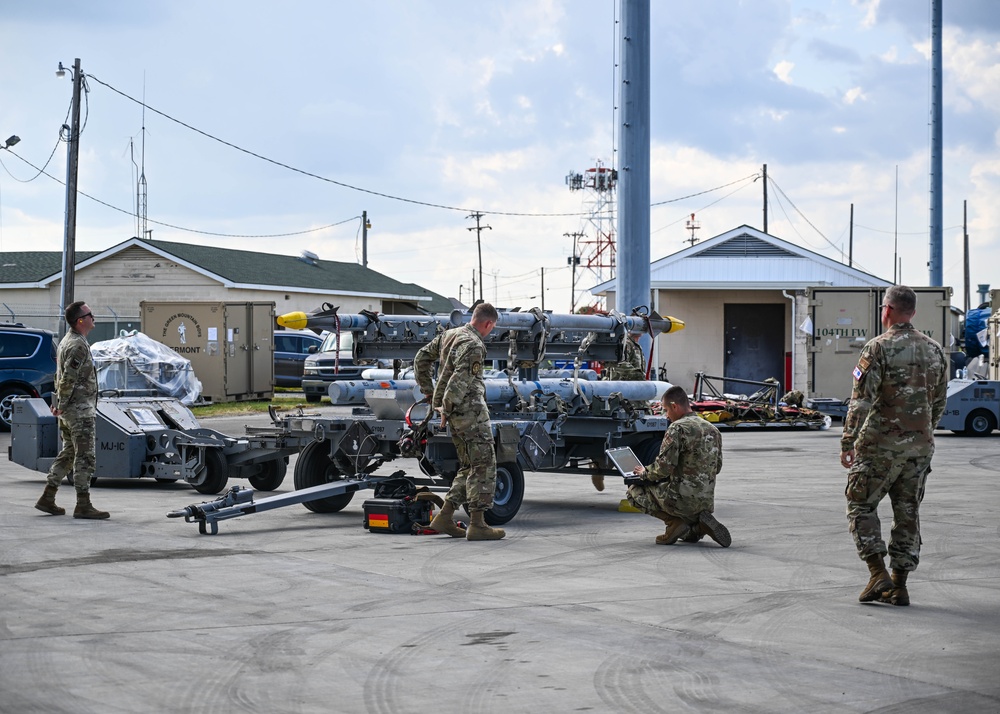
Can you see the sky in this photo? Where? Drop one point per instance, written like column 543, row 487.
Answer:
column 273, row 127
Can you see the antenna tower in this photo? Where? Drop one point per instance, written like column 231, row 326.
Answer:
column 596, row 238
column 141, row 190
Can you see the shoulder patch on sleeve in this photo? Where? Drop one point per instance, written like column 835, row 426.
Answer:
column 863, row 364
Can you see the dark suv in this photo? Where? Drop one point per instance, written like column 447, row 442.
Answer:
column 290, row 351
column 325, row 366
column 27, row 366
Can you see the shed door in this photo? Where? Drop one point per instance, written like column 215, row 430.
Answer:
column 237, row 349
column 755, row 344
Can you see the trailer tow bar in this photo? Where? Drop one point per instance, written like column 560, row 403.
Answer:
column 238, row 501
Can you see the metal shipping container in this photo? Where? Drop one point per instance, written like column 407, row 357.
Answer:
column 845, row 318
column 230, row 344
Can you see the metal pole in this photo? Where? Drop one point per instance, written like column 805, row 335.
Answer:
column 72, row 161
column 965, row 234
column 850, row 241
column 632, row 281
column 936, row 230
column 765, row 198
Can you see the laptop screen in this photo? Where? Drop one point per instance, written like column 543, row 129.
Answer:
column 624, row 460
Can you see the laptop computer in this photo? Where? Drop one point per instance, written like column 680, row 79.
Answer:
column 624, row 460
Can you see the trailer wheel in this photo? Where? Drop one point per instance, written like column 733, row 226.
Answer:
column 647, row 451
column 508, row 495
column 215, row 475
column 314, row 468
column 980, row 423
column 272, row 473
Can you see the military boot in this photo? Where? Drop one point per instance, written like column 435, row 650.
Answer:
column 85, row 510
column 598, row 481
column 443, row 522
column 693, row 536
column 879, row 581
column 47, row 502
column 478, row 530
column 708, row 525
column 897, row 595
column 677, row 528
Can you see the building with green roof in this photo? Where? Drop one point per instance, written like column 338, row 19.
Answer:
column 116, row 280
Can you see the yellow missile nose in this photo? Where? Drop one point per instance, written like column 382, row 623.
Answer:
column 294, row 320
column 675, row 325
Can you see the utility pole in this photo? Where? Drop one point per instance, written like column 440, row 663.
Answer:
column 479, row 245
column 692, row 225
column 765, row 198
column 543, row 289
column 72, row 162
column 573, row 261
column 850, row 241
column 365, row 225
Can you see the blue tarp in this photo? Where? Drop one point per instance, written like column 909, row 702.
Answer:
column 975, row 322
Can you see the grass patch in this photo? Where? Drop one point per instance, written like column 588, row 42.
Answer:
column 248, row 407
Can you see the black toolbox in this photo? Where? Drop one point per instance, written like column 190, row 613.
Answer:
column 396, row 515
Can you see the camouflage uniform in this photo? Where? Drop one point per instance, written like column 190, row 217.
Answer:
column 900, row 390
column 631, row 368
column 683, row 475
column 423, row 365
column 76, row 398
column 461, row 395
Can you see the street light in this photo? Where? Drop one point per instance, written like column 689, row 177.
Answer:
column 12, row 141
column 72, row 162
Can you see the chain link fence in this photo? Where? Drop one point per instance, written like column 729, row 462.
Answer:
column 109, row 323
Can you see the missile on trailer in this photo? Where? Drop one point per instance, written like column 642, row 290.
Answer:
column 353, row 391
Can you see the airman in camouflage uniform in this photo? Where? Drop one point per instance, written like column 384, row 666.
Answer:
column 460, row 397
column 900, row 390
column 75, row 404
column 423, row 367
column 679, row 486
column 631, row 368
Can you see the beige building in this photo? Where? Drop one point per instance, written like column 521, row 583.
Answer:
column 742, row 297
column 115, row 281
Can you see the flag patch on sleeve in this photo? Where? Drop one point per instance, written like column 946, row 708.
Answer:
column 861, row 369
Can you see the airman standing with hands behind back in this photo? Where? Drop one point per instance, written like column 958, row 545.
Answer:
column 900, row 391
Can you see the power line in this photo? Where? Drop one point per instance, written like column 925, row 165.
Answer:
column 182, row 228
column 48, row 161
column 709, row 205
column 380, row 194
column 700, row 193
column 324, row 178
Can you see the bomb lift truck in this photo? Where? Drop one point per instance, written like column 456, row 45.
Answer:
column 539, row 425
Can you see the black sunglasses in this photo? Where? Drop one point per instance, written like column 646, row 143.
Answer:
column 86, row 315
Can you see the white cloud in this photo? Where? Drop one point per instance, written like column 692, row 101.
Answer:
column 871, row 12
column 853, row 94
column 783, row 71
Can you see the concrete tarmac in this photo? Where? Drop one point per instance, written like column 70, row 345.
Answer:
column 575, row 610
